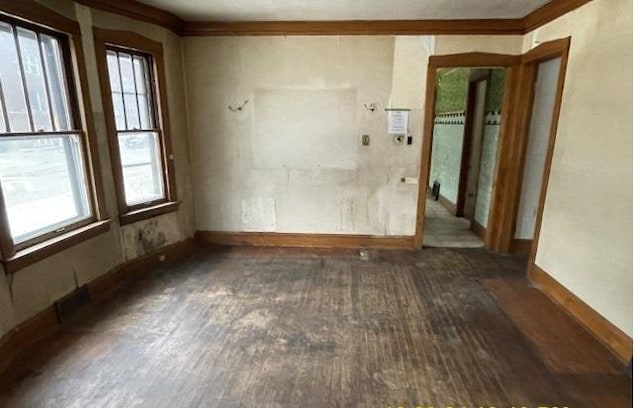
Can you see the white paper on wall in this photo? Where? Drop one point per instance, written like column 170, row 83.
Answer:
column 397, row 122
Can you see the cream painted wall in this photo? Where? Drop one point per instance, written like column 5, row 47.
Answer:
column 237, row 189
column 456, row 44
column 586, row 237
column 267, row 169
column 36, row 287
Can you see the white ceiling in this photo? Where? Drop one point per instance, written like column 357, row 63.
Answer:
column 270, row 10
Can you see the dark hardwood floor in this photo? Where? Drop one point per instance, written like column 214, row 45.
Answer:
column 258, row 327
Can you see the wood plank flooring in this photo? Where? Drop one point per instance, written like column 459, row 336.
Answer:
column 268, row 327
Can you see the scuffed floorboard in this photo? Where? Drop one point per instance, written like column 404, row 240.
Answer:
column 268, row 327
column 585, row 367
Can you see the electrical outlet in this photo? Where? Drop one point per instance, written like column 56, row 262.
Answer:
column 365, row 140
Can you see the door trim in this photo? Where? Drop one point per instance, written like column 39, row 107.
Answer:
column 467, row 144
column 531, row 60
column 467, row 60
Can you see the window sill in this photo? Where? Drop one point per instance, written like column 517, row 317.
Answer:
column 38, row 252
column 144, row 213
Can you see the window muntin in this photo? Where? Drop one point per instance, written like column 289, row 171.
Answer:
column 139, row 138
column 42, row 169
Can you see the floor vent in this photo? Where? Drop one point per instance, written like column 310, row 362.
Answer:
column 68, row 305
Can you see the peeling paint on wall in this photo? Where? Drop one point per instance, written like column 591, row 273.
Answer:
column 142, row 237
column 292, row 161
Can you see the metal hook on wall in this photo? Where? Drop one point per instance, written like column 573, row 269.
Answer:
column 238, row 107
column 371, row 107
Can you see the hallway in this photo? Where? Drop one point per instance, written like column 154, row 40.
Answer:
column 443, row 230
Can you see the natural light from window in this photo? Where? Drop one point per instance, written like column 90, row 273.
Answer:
column 41, row 167
column 138, row 136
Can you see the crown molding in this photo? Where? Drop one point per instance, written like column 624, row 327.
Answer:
column 138, row 11
column 519, row 26
column 355, row 27
column 549, row 12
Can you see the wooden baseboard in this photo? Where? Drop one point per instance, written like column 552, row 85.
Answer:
column 24, row 335
column 304, row 240
column 478, row 229
column 520, row 246
column 27, row 333
column 603, row 330
column 104, row 285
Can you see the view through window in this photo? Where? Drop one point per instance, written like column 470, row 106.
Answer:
column 42, row 173
column 130, row 79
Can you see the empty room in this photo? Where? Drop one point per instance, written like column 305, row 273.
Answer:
column 331, row 203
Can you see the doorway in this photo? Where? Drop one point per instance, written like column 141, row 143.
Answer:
column 541, row 117
column 464, row 139
column 544, row 69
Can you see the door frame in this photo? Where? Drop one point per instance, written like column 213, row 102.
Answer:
column 467, row 141
column 509, row 106
column 530, row 61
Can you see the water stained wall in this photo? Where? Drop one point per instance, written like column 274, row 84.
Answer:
column 37, row 286
column 145, row 236
column 292, row 159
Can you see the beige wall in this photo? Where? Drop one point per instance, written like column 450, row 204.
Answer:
column 36, row 287
column 245, row 180
column 456, row 44
column 586, row 236
column 292, row 161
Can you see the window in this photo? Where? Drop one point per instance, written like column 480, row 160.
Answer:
column 138, row 136
column 132, row 90
column 43, row 168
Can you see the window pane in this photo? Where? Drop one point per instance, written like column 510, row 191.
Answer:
column 138, row 68
column 34, row 75
column 114, row 71
column 143, row 88
column 118, row 110
column 43, row 183
column 11, row 81
column 52, row 55
column 131, row 110
column 141, row 167
column 126, row 70
column 3, row 126
column 145, row 118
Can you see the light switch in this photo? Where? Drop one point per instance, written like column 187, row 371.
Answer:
column 410, row 180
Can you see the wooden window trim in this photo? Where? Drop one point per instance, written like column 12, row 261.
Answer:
column 148, row 212
column 127, row 40
column 28, row 13
column 38, row 252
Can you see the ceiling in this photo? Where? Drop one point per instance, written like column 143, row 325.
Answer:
column 292, row 10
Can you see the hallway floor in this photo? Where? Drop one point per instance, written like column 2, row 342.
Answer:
column 443, row 230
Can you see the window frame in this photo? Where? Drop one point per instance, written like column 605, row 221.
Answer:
column 30, row 15
column 135, row 44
